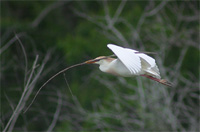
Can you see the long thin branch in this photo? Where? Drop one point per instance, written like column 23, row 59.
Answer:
column 25, row 57
column 150, row 13
column 28, row 90
column 57, row 113
column 21, row 99
column 179, row 64
column 120, row 36
column 119, row 10
column 36, row 22
column 7, row 45
column 58, row 73
column 141, row 93
column 110, row 22
column 157, row 9
column 107, row 14
column 89, row 18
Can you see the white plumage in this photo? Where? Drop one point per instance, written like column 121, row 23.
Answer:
column 137, row 63
column 127, row 57
column 129, row 63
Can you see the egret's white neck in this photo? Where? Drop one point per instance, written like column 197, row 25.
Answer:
column 104, row 66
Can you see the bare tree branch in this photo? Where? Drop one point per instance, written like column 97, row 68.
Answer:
column 7, row 45
column 42, row 15
column 30, row 84
column 150, row 13
column 157, row 9
column 118, row 11
column 57, row 113
column 25, row 57
column 16, row 112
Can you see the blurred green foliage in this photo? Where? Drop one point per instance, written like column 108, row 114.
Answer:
column 75, row 40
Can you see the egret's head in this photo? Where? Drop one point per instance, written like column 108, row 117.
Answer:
column 100, row 60
column 97, row 60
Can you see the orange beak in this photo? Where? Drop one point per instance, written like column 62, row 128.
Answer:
column 91, row 61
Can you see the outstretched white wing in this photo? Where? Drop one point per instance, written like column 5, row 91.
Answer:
column 127, row 57
column 148, row 59
column 152, row 68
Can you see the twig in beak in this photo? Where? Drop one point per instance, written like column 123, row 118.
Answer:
column 50, row 80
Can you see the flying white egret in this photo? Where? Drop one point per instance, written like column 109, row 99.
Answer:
column 129, row 63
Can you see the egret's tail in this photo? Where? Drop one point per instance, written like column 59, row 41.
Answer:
column 162, row 81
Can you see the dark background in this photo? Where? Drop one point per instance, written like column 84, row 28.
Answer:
column 40, row 38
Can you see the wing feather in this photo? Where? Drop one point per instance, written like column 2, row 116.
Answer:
column 127, row 57
column 153, row 68
column 148, row 59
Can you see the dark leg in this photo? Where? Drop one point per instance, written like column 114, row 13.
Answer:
column 162, row 81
